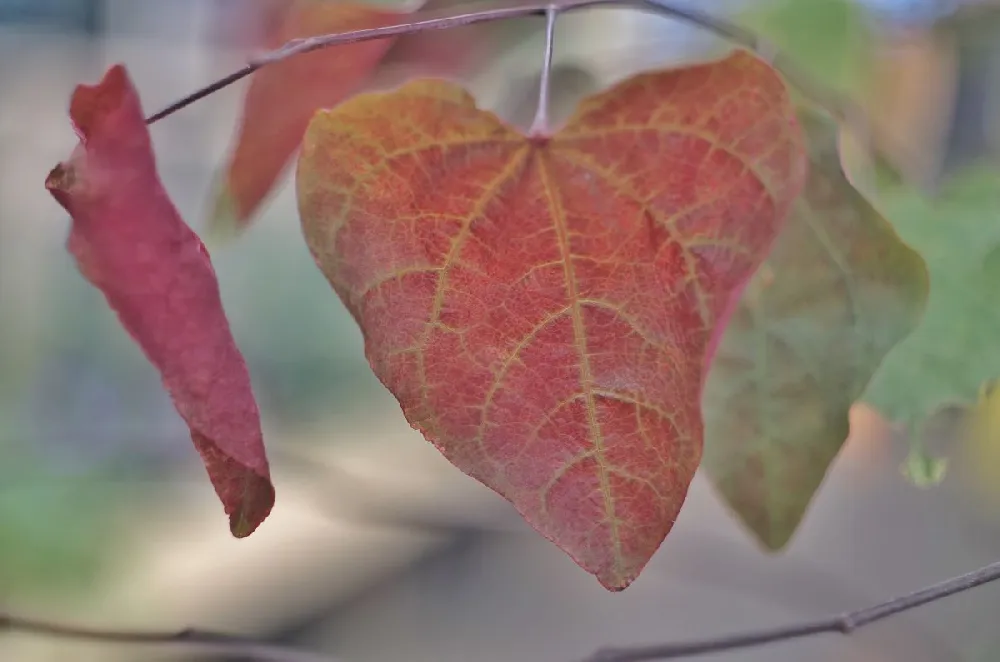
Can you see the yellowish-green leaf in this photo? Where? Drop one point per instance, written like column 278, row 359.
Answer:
column 837, row 292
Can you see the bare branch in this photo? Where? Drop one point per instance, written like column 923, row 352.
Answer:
column 201, row 640
column 433, row 20
column 505, row 9
column 845, row 623
column 259, row 651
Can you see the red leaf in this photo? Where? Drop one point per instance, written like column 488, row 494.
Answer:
column 130, row 242
column 542, row 308
column 282, row 98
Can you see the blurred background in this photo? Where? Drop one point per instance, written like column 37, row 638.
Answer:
column 378, row 550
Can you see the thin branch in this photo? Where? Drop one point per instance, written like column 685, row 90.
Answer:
column 203, row 92
column 259, row 651
column 201, row 640
column 504, row 9
column 413, row 24
column 845, row 623
column 540, row 125
column 441, row 19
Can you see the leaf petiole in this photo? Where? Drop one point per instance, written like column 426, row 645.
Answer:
column 540, row 125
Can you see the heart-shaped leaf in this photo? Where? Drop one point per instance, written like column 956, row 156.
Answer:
column 542, row 308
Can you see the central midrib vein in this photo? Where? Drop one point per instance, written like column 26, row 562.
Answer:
column 580, row 342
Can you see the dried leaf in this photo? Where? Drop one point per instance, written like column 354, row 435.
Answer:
column 542, row 307
column 837, row 292
column 130, row 242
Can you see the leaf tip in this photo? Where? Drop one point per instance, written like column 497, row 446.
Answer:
column 225, row 223
column 615, row 584
column 59, row 182
column 90, row 105
column 775, row 530
column 614, row 568
column 776, row 539
column 772, row 525
column 253, row 508
column 243, row 485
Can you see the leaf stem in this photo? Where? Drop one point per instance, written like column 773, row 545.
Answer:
column 540, row 125
column 844, row 623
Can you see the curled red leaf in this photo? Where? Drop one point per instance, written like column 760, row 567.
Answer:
column 131, row 243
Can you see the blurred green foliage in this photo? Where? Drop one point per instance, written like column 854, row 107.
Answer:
column 55, row 528
column 830, row 41
column 954, row 349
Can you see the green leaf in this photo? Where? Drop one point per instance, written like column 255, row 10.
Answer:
column 839, row 289
column 956, row 348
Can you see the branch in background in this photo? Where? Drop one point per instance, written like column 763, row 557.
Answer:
column 259, row 651
column 200, row 640
column 842, row 109
column 845, row 623
column 420, row 22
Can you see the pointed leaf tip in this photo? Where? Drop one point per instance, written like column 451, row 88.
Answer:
column 542, row 310
column 130, row 242
column 224, row 224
